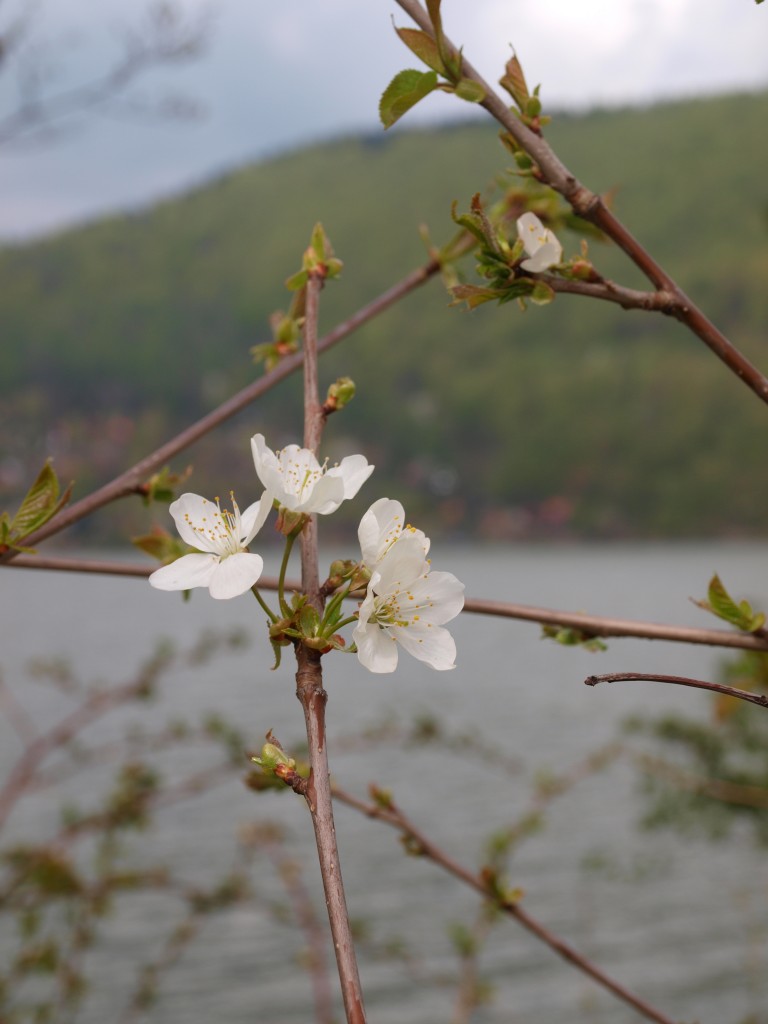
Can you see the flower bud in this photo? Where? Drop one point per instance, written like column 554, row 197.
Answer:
column 272, row 756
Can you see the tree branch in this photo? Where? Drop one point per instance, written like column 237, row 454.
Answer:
column 699, row 684
column 592, row 208
column 592, row 625
column 394, row 817
column 130, row 482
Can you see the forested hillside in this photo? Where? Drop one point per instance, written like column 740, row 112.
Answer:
column 575, row 419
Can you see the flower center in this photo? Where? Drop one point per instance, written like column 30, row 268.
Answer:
column 299, row 475
column 395, row 609
column 220, row 531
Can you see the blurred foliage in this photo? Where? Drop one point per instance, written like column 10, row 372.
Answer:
column 578, row 419
column 711, row 777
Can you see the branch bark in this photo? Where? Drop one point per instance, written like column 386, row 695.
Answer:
column 699, row 684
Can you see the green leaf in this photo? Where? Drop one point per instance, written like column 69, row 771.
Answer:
column 470, row 222
column 722, row 605
column 573, row 638
column 514, row 82
column 160, row 544
column 542, row 293
column 40, row 503
column 309, row 621
column 403, row 92
column 473, row 295
column 423, row 46
column 470, row 91
column 297, row 281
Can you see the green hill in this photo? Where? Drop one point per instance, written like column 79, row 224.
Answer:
column 577, row 417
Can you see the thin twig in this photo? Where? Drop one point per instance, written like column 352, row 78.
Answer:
column 131, row 481
column 699, row 684
column 591, row 207
column 394, row 817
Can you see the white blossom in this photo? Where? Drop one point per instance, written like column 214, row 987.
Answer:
column 539, row 242
column 300, row 484
column 381, row 526
column 221, row 537
column 407, row 604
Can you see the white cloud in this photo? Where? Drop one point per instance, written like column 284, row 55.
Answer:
column 275, row 75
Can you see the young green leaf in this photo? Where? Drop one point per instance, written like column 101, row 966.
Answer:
column 41, row 502
column 423, row 46
column 722, row 605
column 473, row 295
column 514, row 82
column 572, row 638
column 403, row 92
column 472, row 92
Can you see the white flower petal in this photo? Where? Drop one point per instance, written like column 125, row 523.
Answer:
column 185, row 573
column 196, row 519
column 323, row 498
column 546, row 256
column 440, row 594
column 235, row 574
column 376, row 649
column 380, row 526
column 354, row 470
column 299, row 483
column 539, row 242
column 403, row 563
column 434, row 645
column 254, row 518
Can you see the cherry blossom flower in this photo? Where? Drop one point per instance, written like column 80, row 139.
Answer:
column 407, row 604
column 382, row 526
column 221, row 537
column 298, row 482
column 539, row 242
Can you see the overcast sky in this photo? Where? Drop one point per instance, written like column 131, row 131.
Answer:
column 277, row 74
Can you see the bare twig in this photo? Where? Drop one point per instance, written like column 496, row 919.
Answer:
column 601, row 626
column 131, row 481
column 699, row 684
column 394, row 817
column 592, row 207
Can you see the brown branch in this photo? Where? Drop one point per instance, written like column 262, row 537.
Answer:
column 313, row 699
column 608, row 291
column 393, row 816
column 131, row 480
column 598, row 625
column 593, row 625
column 592, row 208
column 699, row 684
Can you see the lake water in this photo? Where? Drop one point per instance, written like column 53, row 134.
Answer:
column 682, row 922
